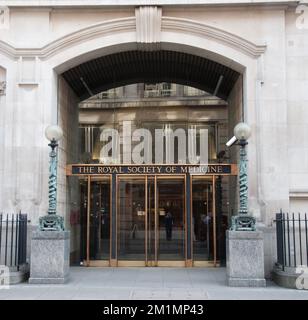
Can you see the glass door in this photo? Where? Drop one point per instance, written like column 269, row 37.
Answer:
column 100, row 219
column 151, row 243
column 95, row 209
column 166, row 242
column 131, row 220
column 151, row 221
column 170, row 220
column 203, row 220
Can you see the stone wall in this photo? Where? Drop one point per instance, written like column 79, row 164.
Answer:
column 222, row 138
column 235, row 115
column 297, row 109
column 264, row 43
column 68, row 188
column 2, row 128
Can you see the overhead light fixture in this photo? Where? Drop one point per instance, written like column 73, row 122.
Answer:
column 86, row 86
column 218, row 85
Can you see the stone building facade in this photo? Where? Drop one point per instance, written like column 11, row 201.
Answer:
column 43, row 43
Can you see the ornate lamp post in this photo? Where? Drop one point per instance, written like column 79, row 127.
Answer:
column 245, row 248
column 243, row 221
column 52, row 222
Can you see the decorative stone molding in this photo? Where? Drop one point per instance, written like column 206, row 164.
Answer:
column 4, row 17
column 2, row 88
column 169, row 24
column 119, row 3
column 196, row 28
column 28, row 70
column 148, row 27
column 67, row 41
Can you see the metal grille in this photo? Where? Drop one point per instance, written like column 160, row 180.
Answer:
column 13, row 239
column 292, row 239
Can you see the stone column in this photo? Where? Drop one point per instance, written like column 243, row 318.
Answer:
column 50, row 252
column 245, row 259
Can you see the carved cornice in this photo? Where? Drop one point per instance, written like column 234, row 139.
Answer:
column 90, row 32
column 129, row 24
column 196, row 28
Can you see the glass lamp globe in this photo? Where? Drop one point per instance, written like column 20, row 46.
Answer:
column 242, row 131
column 53, row 132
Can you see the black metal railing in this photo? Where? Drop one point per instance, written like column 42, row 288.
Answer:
column 13, row 239
column 292, row 239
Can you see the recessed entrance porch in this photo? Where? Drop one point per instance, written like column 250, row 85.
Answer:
column 151, row 220
column 138, row 235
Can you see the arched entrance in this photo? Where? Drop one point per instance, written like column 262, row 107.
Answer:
column 222, row 67
column 152, row 212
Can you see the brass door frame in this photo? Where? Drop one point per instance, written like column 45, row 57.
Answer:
column 214, row 262
column 155, row 262
column 88, row 220
column 146, row 219
column 170, row 263
column 149, row 221
column 214, row 218
column 129, row 263
column 88, row 262
column 155, row 223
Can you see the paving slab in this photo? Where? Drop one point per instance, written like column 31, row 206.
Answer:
column 147, row 284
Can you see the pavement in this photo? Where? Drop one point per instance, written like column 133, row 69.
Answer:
column 147, row 284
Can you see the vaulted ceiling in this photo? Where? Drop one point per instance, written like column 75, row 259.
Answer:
column 129, row 67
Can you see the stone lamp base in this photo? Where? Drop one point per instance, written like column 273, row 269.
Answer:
column 49, row 260
column 245, row 259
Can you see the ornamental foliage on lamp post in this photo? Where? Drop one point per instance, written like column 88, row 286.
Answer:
column 243, row 221
column 52, row 221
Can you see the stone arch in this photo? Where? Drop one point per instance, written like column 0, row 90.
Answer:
column 195, row 38
column 120, row 35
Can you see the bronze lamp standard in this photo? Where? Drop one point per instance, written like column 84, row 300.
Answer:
column 243, row 221
column 52, row 221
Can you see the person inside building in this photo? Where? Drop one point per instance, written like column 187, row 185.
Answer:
column 168, row 224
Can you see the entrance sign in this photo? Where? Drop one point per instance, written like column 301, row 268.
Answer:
column 99, row 169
